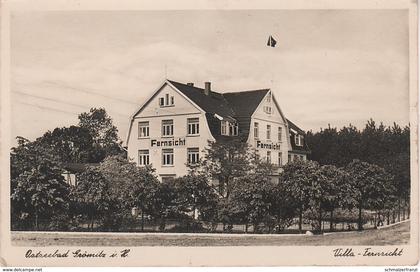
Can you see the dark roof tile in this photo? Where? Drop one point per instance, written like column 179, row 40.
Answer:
column 212, row 103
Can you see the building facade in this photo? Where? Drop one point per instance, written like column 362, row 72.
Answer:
column 173, row 127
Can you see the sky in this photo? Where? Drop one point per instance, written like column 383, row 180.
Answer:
column 328, row 67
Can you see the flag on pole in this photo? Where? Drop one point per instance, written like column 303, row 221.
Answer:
column 271, row 41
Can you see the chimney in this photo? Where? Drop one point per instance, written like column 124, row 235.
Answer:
column 207, row 88
column 190, row 84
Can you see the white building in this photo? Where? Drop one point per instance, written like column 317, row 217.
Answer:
column 174, row 125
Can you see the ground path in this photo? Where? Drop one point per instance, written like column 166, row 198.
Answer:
column 393, row 235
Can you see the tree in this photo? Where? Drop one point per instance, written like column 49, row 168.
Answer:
column 194, row 194
column 38, row 190
column 104, row 134
column 251, row 197
column 72, row 145
column 336, row 192
column 297, row 181
column 92, row 192
column 371, row 185
column 283, row 209
column 164, row 203
column 324, row 146
column 131, row 185
column 224, row 161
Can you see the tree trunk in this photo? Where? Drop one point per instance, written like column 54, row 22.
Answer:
column 320, row 219
column 142, row 220
column 162, row 224
column 300, row 220
column 36, row 219
column 408, row 209
column 91, row 222
column 246, row 227
column 399, row 210
column 255, row 227
column 360, row 223
column 331, row 220
column 387, row 217
column 403, row 212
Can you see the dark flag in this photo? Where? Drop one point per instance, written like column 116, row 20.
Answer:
column 271, row 41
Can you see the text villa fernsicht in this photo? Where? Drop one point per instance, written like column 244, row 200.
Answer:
column 367, row 252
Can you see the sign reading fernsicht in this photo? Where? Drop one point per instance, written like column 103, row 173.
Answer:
column 268, row 145
column 169, row 142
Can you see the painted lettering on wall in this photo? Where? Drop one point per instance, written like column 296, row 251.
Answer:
column 169, row 142
column 268, row 146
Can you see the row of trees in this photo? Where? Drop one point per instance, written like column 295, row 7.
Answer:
column 105, row 194
column 385, row 146
column 230, row 185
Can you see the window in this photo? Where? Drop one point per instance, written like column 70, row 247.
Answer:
column 268, row 98
column 268, row 156
column 166, row 101
column 193, row 126
column 233, row 129
column 223, row 128
column 143, row 129
column 256, row 132
column 144, row 157
column 228, row 128
column 302, row 158
column 280, row 159
column 289, row 158
column 167, row 127
column 168, row 157
column 193, row 155
column 280, row 133
column 299, row 140
column 267, row 109
column 268, row 132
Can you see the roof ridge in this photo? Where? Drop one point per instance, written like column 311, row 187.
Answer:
column 248, row 91
column 193, row 86
column 221, row 93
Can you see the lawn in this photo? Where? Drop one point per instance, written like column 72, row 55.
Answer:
column 394, row 235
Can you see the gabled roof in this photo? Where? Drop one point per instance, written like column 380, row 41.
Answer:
column 298, row 149
column 245, row 103
column 231, row 106
column 295, row 127
column 212, row 103
column 238, row 106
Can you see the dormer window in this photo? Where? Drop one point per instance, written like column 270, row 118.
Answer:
column 223, row 128
column 166, row 101
column 233, row 129
column 228, row 128
column 298, row 140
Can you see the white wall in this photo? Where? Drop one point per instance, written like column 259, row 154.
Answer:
column 275, row 120
column 179, row 113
